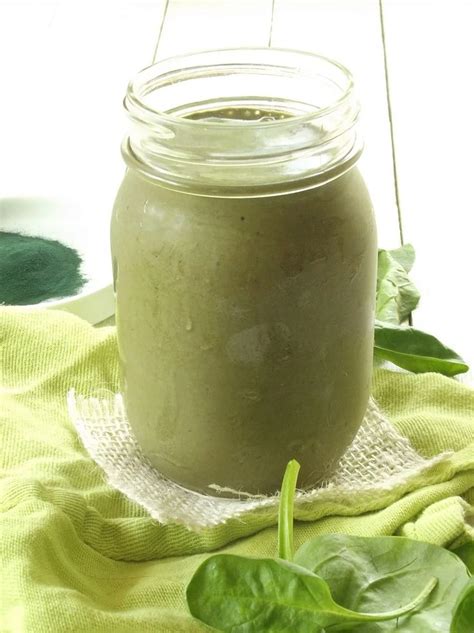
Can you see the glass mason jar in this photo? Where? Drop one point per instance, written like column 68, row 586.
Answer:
column 244, row 253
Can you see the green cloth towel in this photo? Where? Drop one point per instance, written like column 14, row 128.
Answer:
column 78, row 556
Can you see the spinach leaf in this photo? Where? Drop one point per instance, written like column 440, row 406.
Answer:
column 463, row 614
column 233, row 593
column 405, row 255
column 415, row 350
column 396, row 298
column 285, row 513
column 466, row 554
column 370, row 574
column 396, row 295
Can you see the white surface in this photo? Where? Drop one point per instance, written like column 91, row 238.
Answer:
column 430, row 51
column 205, row 24
column 76, row 225
column 65, row 66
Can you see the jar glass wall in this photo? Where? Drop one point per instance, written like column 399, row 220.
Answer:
column 244, row 251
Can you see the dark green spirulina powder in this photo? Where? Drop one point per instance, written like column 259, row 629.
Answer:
column 34, row 269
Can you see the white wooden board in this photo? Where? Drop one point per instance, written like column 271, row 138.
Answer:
column 68, row 66
column 209, row 24
column 430, row 51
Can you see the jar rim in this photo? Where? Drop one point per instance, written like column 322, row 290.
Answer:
column 305, row 123
column 135, row 104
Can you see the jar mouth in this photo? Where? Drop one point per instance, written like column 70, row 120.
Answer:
column 231, row 121
column 174, row 69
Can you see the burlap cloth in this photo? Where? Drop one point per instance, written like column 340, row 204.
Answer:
column 378, row 460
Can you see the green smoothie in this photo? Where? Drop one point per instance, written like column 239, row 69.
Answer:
column 245, row 325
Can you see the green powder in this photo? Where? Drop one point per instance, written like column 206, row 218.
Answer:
column 34, row 269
